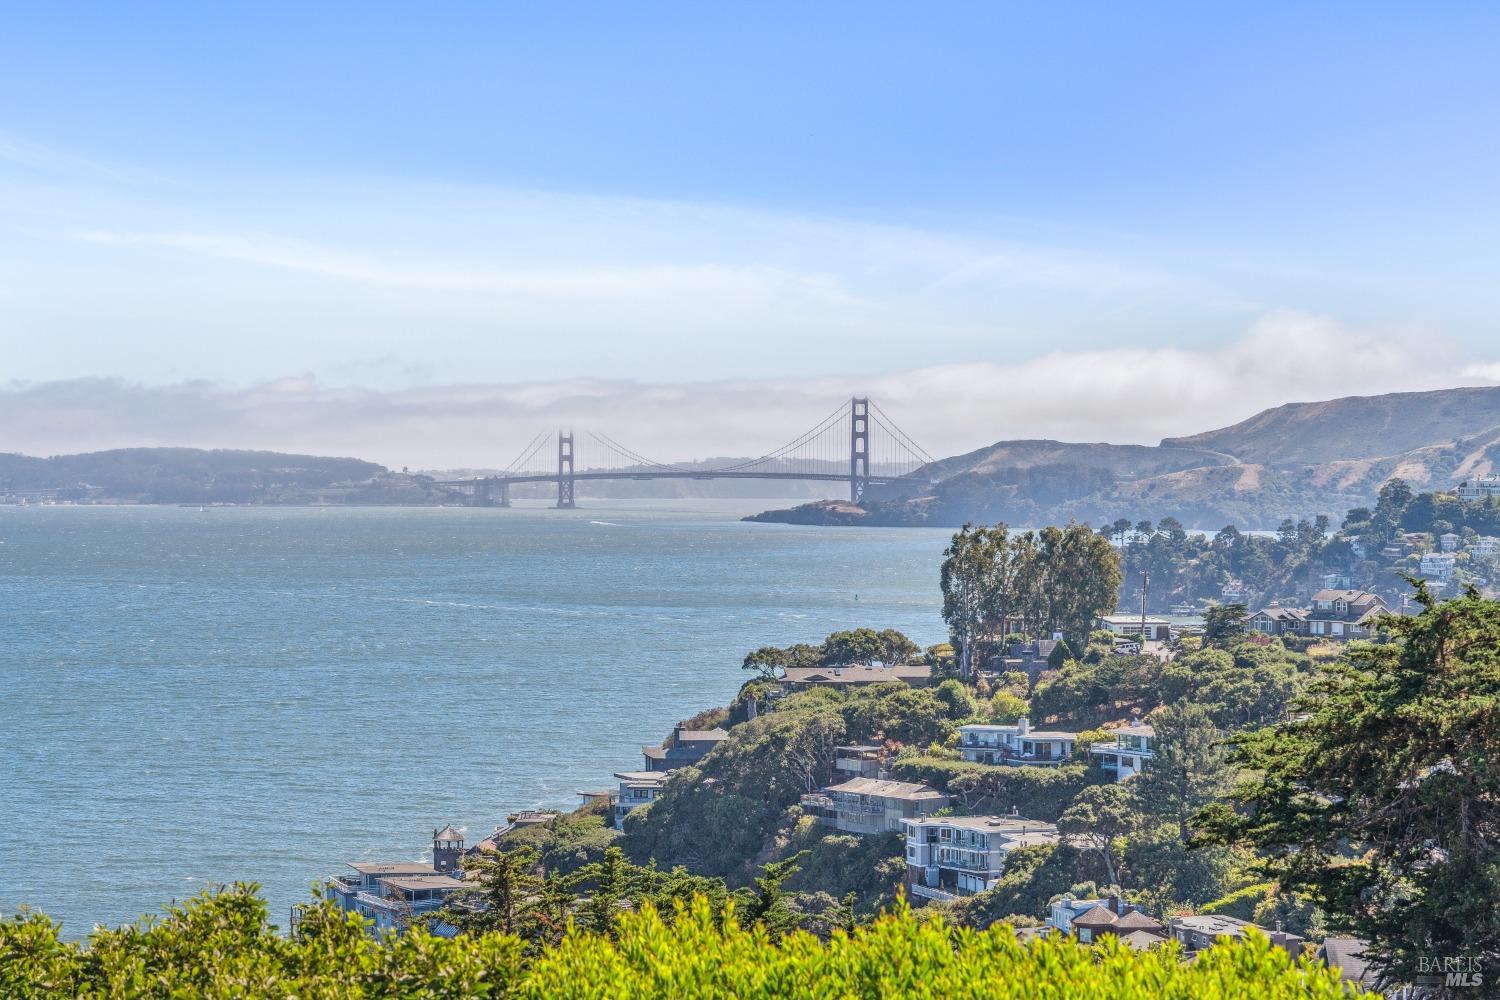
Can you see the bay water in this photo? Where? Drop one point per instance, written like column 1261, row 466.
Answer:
column 191, row 697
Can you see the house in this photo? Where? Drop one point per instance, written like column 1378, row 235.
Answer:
column 1438, row 566
column 683, row 747
column 1063, row 911
column 1017, row 744
column 637, row 788
column 1485, row 546
column 951, row 856
column 1344, row 614
column 1479, row 487
column 393, row 895
column 1127, row 756
column 1123, row 624
column 801, row 678
column 1233, row 592
column 1449, row 542
column 1335, row 581
column 1203, row 931
column 1112, row 917
column 871, row 806
column 859, row 761
column 1276, row 620
column 1030, row 658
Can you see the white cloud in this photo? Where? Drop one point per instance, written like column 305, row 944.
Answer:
column 1120, row 395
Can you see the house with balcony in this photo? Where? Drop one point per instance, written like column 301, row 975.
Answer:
column 1344, row 614
column 397, row 895
column 868, row 806
column 1277, row 620
column 950, row 856
column 683, row 748
column 637, row 788
column 1134, row 747
column 1017, row 744
column 1479, row 488
column 859, row 761
column 1438, row 566
column 1485, row 546
column 1450, row 542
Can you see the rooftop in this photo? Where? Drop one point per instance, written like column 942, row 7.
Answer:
column 393, row 868
column 992, row 824
column 702, row 735
column 644, row 777
column 856, row 674
column 905, row 790
column 417, row 883
column 448, row 833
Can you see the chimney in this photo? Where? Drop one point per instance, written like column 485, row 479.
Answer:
column 1114, row 904
column 1023, row 726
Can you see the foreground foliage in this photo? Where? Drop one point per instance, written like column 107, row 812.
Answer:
column 1382, row 803
column 220, row 946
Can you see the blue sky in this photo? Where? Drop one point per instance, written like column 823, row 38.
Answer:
column 602, row 202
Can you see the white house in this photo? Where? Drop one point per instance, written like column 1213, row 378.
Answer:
column 637, row 788
column 1124, row 623
column 1449, row 542
column 1017, row 744
column 1485, row 546
column 952, row 856
column 1438, row 566
column 1128, row 755
column 1479, row 487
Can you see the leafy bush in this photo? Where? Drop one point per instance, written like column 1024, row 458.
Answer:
column 221, row 946
column 1241, row 903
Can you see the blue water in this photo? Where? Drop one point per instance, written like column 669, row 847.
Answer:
column 195, row 697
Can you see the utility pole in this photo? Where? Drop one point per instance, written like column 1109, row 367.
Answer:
column 1145, row 587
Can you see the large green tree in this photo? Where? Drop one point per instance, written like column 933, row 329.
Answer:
column 1190, row 770
column 1383, row 802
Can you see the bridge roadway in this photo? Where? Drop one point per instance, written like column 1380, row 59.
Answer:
column 493, row 488
column 552, row 477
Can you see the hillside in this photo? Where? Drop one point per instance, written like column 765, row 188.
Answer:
column 1120, row 459
column 1355, row 427
column 1291, row 461
column 182, row 475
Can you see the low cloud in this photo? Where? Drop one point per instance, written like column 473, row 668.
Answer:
column 1120, row 395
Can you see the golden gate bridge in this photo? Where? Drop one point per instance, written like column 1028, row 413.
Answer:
column 857, row 443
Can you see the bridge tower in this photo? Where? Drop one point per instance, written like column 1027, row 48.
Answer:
column 565, row 470
column 859, row 447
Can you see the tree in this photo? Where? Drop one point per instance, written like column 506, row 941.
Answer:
column 770, row 906
column 1097, row 819
column 896, row 647
column 861, row 645
column 1190, row 770
column 967, row 581
column 1383, row 803
column 767, row 660
column 613, row 881
column 1224, row 625
column 502, row 893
